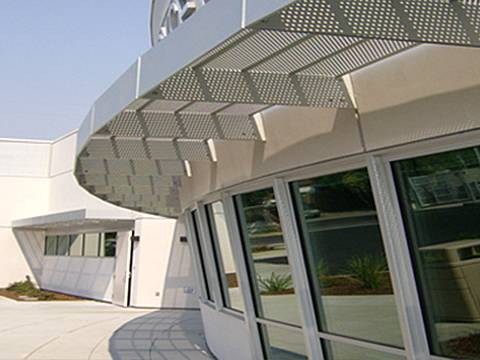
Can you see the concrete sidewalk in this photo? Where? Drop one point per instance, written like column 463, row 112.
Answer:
column 84, row 330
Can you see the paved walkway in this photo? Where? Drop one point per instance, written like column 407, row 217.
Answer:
column 87, row 330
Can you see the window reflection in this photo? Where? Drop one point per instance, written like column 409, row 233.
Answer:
column 51, row 245
column 207, row 276
column 228, row 272
column 338, row 351
column 108, row 244
column 266, row 254
column 63, row 245
column 345, row 257
column 283, row 344
column 76, row 245
column 91, row 244
column 440, row 198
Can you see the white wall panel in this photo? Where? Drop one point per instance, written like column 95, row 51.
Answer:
column 151, row 261
column 82, row 276
column 22, row 197
column 120, row 285
column 162, row 274
column 226, row 335
column 20, row 256
column 63, row 154
column 24, row 158
column 180, row 288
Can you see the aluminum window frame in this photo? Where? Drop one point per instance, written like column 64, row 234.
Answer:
column 211, row 257
column 324, row 169
column 46, row 245
column 255, row 296
column 233, row 228
column 378, row 163
column 314, row 351
column 223, row 282
column 382, row 166
column 196, row 234
column 200, row 276
column 312, row 342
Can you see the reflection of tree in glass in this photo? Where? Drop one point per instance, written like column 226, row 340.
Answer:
column 348, row 191
column 452, row 160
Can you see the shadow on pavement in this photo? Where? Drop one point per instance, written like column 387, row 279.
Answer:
column 161, row 335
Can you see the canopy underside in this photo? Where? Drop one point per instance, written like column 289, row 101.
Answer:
column 295, row 56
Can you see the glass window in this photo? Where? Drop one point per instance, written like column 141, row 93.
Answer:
column 228, row 272
column 50, row 245
column 345, row 256
column 76, row 245
column 440, row 200
column 282, row 344
column 108, row 244
column 63, row 245
column 339, row 351
column 91, row 244
column 207, row 280
column 267, row 259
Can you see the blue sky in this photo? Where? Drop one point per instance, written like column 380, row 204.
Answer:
column 58, row 56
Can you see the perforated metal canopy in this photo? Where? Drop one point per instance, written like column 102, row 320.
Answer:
column 231, row 60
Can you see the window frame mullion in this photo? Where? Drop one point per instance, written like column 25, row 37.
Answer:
column 292, row 240
column 233, row 228
column 211, row 261
column 399, row 258
column 200, row 277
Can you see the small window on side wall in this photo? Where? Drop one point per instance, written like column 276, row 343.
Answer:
column 108, row 244
column 76, row 245
column 50, row 246
column 91, row 244
column 63, row 245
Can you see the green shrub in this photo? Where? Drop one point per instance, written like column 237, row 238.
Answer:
column 27, row 288
column 275, row 283
column 22, row 286
column 369, row 270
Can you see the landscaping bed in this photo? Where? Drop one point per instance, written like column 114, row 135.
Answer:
column 467, row 347
column 26, row 291
column 347, row 285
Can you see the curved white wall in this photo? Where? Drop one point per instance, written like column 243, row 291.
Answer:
column 233, row 344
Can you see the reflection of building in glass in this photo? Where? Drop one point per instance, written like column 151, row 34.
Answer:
column 446, row 188
column 453, row 269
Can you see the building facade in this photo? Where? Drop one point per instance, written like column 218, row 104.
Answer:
column 324, row 158
column 67, row 241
